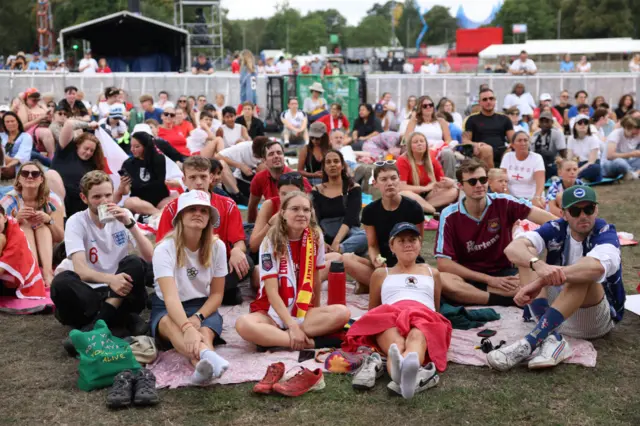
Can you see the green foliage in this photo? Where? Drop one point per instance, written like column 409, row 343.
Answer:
column 409, row 25
column 442, row 26
column 373, row 30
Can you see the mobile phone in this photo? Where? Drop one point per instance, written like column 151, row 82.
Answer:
column 487, row 333
column 123, row 173
column 306, row 355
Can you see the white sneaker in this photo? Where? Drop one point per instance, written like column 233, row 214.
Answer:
column 371, row 369
column 427, row 378
column 507, row 357
column 552, row 353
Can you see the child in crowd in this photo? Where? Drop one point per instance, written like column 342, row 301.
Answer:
column 498, row 181
column 568, row 171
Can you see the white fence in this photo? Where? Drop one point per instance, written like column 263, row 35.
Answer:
column 458, row 87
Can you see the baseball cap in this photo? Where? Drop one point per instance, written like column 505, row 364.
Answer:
column 403, row 227
column 196, row 198
column 36, row 53
column 317, row 130
column 547, row 115
column 545, row 97
column 61, row 107
column 379, row 108
column 4, row 108
column 580, row 117
column 577, row 194
column 143, row 128
column 32, row 92
column 116, row 111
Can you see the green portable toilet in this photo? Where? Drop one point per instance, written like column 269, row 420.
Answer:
column 341, row 89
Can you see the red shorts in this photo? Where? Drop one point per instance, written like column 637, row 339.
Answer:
column 403, row 316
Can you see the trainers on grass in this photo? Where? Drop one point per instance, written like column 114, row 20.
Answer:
column 552, row 353
column 507, row 357
column 427, row 378
column 371, row 369
column 121, row 393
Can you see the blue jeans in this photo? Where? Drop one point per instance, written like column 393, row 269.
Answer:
column 356, row 242
column 43, row 159
column 634, row 163
column 592, row 173
column 616, row 167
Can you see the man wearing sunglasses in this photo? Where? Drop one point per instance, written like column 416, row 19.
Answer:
column 472, row 236
column 488, row 131
column 581, row 279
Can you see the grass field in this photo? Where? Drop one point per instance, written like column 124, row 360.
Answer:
column 38, row 381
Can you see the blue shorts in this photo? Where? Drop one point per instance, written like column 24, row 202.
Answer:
column 159, row 310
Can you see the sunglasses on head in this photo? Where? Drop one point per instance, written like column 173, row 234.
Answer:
column 491, row 98
column 582, row 122
column 427, row 105
column 168, row 114
column 384, row 163
column 474, row 181
column 30, row 173
column 575, row 211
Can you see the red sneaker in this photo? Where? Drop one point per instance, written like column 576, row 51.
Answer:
column 274, row 373
column 302, row 382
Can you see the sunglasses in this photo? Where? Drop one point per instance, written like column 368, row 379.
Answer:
column 492, row 98
column 514, row 113
column 168, row 114
column 182, row 100
column 290, row 179
column 30, row 173
column 582, row 122
column 384, row 163
column 575, row 211
column 427, row 105
column 62, row 114
column 474, row 181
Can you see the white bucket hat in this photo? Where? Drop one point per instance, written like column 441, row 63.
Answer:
column 196, row 198
column 142, row 127
column 316, row 87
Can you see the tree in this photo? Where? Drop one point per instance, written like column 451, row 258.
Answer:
column 603, row 19
column 17, row 27
column 381, row 10
column 373, row 30
column 539, row 15
column 409, row 24
column 442, row 26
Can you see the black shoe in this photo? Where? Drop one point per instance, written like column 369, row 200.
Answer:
column 67, row 343
column 136, row 325
column 121, row 393
column 144, row 388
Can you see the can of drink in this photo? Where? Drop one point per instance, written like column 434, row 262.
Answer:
column 103, row 215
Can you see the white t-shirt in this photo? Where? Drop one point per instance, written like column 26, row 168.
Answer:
column 167, row 104
column 520, row 174
column 192, row 280
column 103, row 248
column 607, row 254
column 91, row 69
column 633, row 67
column 623, row 143
column 524, row 102
column 284, row 67
column 197, row 140
column 241, row 153
column 294, row 120
column 407, row 68
column 583, row 67
column 271, row 69
column 348, row 154
column 231, row 136
column 581, row 148
column 528, row 65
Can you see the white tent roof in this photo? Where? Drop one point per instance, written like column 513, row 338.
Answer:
column 560, row 47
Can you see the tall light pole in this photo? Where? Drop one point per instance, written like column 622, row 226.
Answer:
column 559, row 22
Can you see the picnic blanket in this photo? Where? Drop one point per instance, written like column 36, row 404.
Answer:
column 604, row 181
column 172, row 370
column 16, row 306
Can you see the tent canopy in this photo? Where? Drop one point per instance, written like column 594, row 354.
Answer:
column 127, row 35
column 560, row 47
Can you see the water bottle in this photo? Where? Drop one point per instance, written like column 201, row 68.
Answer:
column 337, row 284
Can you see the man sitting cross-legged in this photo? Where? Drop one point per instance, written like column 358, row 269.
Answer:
column 228, row 227
column 582, row 279
column 472, row 236
column 100, row 280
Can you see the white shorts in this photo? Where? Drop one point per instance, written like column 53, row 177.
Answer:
column 587, row 323
column 279, row 322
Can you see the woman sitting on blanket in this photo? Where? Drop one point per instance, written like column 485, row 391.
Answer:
column 287, row 311
column 403, row 320
column 190, row 266
column 40, row 213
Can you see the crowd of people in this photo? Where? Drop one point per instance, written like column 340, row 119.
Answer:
column 483, row 175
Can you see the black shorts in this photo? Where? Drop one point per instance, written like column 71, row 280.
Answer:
column 507, row 272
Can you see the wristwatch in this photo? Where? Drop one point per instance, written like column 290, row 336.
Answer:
column 51, row 222
column 131, row 224
column 532, row 261
column 199, row 316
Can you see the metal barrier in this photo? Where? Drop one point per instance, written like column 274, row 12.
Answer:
column 458, row 87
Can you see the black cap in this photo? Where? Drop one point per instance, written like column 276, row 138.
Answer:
column 61, row 107
column 402, row 227
column 336, row 266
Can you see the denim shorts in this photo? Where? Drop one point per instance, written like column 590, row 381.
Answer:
column 159, row 310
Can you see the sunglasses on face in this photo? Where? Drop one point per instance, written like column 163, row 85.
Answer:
column 474, row 181
column 30, row 173
column 575, row 211
column 182, row 100
column 384, row 163
column 62, row 114
column 168, row 114
column 492, row 98
column 582, row 122
column 427, row 105
column 514, row 113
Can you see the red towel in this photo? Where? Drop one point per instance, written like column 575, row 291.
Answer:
column 20, row 268
column 403, row 315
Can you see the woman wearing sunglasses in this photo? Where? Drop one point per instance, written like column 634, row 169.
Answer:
column 171, row 133
column 422, row 177
column 40, row 213
column 585, row 147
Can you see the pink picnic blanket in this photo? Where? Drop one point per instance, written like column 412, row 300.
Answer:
column 14, row 305
column 247, row 365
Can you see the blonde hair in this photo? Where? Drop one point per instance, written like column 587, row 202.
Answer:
column 495, row 173
column 246, row 59
column 278, row 234
column 42, row 198
column 426, row 159
column 206, row 243
column 93, row 178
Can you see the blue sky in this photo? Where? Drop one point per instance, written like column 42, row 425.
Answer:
column 353, row 10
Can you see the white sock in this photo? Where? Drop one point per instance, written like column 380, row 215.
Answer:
column 203, row 372
column 409, row 375
column 395, row 363
column 220, row 364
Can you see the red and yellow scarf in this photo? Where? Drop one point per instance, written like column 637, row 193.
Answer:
column 305, row 276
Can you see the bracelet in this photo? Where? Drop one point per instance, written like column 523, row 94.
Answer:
column 131, row 224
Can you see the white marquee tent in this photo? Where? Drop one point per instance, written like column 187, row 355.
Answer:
column 560, row 47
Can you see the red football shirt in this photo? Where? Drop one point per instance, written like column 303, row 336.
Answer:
column 263, row 185
column 229, row 228
column 479, row 244
column 176, row 139
column 235, row 66
column 332, row 123
column 404, row 169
